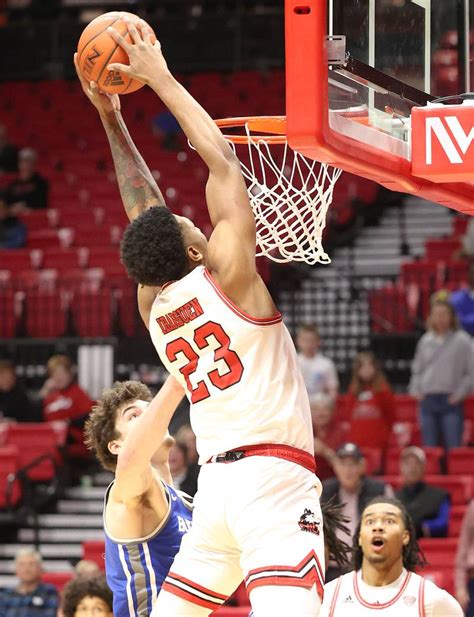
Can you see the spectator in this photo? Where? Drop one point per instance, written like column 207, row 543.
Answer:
column 467, row 241
column 86, row 567
column 319, row 372
column 352, row 488
column 463, row 302
column 370, row 403
column 63, row 399
column 167, row 128
column 31, row 598
column 442, row 377
column 464, row 569
column 12, row 230
column 86, row 596
column 8, row 152
column 186, row 436
column 30, row 190
column 14, row 401
column 428, row 506
column 328, row 435
column 184, row 475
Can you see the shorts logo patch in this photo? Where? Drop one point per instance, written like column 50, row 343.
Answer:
column 309, row 522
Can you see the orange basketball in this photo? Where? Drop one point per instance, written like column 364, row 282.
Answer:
column 96, row 49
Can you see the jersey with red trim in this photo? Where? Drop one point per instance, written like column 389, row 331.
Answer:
column 410, row 595
column 240, row 373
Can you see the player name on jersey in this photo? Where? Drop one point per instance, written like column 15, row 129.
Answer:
column 182, row 315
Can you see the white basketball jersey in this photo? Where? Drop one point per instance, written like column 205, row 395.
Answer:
column 410, row 595
column 240, row 373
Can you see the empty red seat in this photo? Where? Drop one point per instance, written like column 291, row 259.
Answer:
column 94, row 550
column 10, row 307
column 35, row 440
column 461, row 461
column 44, row 238
column 63, row 259
column 389, row 310
column 36, row 279
column 442, row 249
column 58, row 579
column 104, row 257
column 46, row 313
column 459, row 487
column 456, row 516
column 10, row 492
column 16, row 260
column 373, row 459
column 91, row 311
column 406, row 408
column 439, row 552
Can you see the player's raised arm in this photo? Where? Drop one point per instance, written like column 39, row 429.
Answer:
column 232, row 245
column 133, row 476
column 138, row 188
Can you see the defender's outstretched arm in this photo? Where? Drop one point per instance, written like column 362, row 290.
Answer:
column 138, row 188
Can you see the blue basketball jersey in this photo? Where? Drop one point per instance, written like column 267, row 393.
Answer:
column 136, row 569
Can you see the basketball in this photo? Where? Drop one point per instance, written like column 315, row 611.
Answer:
column 96, row 49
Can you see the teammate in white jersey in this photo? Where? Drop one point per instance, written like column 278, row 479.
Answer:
column 257, row 515
column 383, row 581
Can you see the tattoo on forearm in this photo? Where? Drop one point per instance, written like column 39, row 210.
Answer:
column 138, row 188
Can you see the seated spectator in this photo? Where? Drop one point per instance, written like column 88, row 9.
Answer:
column 30, row 190
column 86, row 567
column 328, row 435
column 463, row 303
column 14, row 401
column 87, row 595
column 352, row 488
column 184, row 474
column 31, row 596
column 186, row 436
column 319, row 372
column 429, row 506
column 64, row 399
column 12, row 230
column 370, row 403
column 464, row 569
column 467, row 241
column 8, row 152
column 442, row 377
column 167, row 128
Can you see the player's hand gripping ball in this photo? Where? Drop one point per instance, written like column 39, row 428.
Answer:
column 96, row 49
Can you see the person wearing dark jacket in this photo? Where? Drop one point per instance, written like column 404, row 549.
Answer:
column 352, row 488
column 429, row 506
column 12, row 230
column 14, row 402
column 30, row 190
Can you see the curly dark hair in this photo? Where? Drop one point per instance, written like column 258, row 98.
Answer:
column 412, row 554
column 82, row 587
column 152, row 248
column 100, row 428
column 333, row 521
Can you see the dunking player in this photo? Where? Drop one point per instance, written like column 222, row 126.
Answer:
column 257, row 513
column 385, row 555
column 144, row 517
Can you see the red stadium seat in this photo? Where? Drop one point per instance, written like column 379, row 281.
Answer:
column 10, row 307
column 17, row 259
column 63, row 259
column 439, row 552
column 9, row 464
column 373, row 459
column 58, row 579
column 442, row 249
column 92, row 312
column 460, row 488
column 461, row 461
column 104, row 257
column 406, row 408
column 94, row 550
column 456, row 516
column 34, row 440
column 46, row 313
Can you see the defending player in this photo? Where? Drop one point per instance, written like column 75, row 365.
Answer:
column 383, row 581
column 216, row 329
column 144, row 517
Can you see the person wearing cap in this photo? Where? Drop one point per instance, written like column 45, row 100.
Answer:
column 30, row 190
column 429, row 506
column 352, row 488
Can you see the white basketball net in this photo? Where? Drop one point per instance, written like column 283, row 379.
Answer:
column 290, row 196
